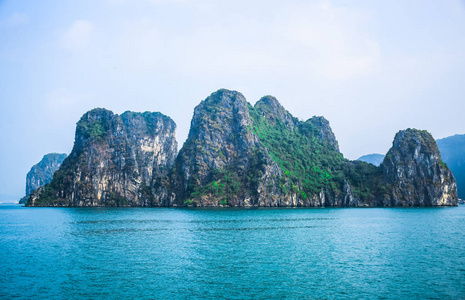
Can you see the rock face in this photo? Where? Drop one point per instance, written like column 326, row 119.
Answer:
column 218, row 157
column 237, row 154
column 414, row 168
column 324, row 132
column 116, row 161
column 452, row 151
column 42, row 173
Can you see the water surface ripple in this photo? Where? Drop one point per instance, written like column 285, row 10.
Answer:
column 162, row 253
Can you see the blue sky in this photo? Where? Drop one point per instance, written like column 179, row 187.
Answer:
column 370, row 67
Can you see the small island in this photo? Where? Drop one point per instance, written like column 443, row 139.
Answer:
column 239, row 155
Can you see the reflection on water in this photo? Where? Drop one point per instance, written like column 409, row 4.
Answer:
column 232, row 253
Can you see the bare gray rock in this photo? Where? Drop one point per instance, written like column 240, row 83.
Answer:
column 241, row 155
column 42, row 173
column 414, row 168
column 116, row 161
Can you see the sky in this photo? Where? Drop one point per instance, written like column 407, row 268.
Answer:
column 371, row 68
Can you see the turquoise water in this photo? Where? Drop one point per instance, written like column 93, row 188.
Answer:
column 162, row 253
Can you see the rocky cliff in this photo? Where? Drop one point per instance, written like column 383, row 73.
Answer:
column 415, row 170
column 452, row 150
column 42, row 173
column 242, row 155
column 219, row 162
column 237, row 154
column 117, row 160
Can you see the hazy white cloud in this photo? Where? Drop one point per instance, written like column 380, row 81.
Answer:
column 113, row 2
column 61, row 101
column 370, row 67
column 233, row 46
column 457, row 6
column 78, row 35
column 317, row 39
column 142, row 46
column 334, row 39
column 167, row 1
column 15, row 19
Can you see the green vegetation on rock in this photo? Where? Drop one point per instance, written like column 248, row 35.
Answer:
column 308, row 164
column 42, row 173
column 237, row 154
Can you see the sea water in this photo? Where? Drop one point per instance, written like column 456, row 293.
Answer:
column 169, row 253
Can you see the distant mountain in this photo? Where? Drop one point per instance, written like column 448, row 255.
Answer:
column 375, row 159
column 452, row 150
column 42, row 173
column 6, row 198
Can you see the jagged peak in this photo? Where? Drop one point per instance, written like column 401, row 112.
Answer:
column 95, row 117
column 50, row 157
column 413, row 161
column 269, row 102
column 216, row 106
column 413, row 131
column 271, row 109
column 415, row 138
column 411, row 145
column 318, row 120
column 97, row 113
column 321, row 128
column 224, row 94
column 54, row 154
column 129, row 113
column 224, row 91
column 220, row 100
column 149, row 116
column 98, row 123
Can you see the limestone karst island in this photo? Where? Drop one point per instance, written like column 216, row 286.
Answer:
column 239, row 155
